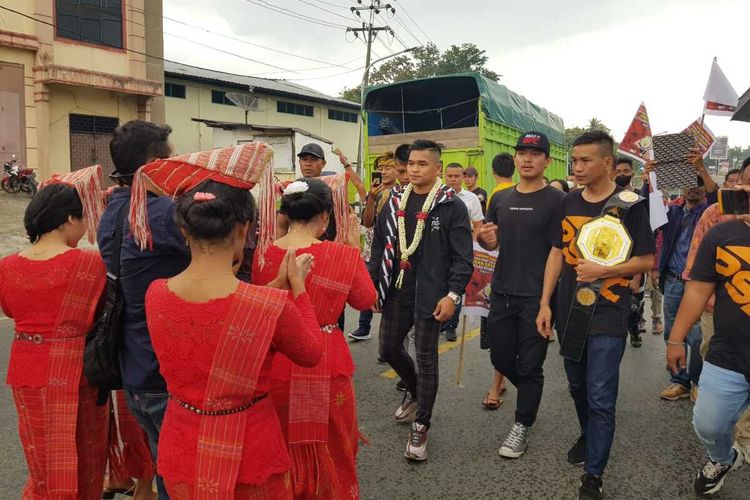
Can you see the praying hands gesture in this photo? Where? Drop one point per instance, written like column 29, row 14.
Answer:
column 292, row 272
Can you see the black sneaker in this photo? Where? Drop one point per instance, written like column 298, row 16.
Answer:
column 401, row 386
column 591, row 487
column 360, row 335
column 577, row 454
column 382, row 360
column 636, row 340
column 711, row 477
column 450, row 334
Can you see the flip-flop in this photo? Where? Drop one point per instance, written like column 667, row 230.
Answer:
column 491, row 403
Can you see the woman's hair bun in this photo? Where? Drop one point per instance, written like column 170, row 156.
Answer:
column 212, row 210
column 50, row 208
column 304, row 205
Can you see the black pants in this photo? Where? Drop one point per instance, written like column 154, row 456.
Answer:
column 518, row 351
column 398, row 318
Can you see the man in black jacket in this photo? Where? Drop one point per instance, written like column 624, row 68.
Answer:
column 423, row 235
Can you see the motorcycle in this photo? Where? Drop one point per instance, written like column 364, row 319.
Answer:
column 18, row 179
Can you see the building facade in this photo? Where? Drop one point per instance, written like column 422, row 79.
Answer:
column 72, row 71
column 196, row 96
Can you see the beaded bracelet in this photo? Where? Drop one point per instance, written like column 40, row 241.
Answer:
column 676, row 343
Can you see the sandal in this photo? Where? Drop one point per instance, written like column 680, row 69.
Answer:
column 110, row 493
column 491, row 403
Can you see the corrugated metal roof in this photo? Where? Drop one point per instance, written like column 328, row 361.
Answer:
column 260, row 85
column 262, row 128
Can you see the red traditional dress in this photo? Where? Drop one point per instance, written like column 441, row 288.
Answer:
column 216, row 356
column 317, row 405
column 129, row 455
column 62, row 431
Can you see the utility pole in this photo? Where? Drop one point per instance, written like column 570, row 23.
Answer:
column 370, row 31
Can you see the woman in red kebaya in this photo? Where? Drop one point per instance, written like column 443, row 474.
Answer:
column 321, row 431
column 51, row 290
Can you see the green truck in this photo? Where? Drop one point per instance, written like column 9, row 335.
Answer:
column 473, row 117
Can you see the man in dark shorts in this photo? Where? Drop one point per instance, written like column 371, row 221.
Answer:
column 520, row 224
column 594, row 380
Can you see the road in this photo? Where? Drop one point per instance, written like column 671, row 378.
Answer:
column 655, row 453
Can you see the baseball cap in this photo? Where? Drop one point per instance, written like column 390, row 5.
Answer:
column 312, row 149
column 533, row 140
column 471, row 171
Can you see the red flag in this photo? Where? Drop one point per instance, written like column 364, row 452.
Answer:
column 701, row 134
column 638, row 143
column 720, row 96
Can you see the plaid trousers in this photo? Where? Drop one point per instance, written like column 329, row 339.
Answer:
column 398, row 318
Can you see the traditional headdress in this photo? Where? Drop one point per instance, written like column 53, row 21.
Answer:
column 89, row 183
column 241, row 166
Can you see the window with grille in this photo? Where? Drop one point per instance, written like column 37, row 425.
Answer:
column 293, row 108
column 91, row 21
column 174, row 90
column 93, row 124
column 342, row 116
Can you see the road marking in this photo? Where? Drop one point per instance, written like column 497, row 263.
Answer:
column 442, row 349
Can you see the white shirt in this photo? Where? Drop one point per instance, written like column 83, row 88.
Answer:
column 473, row 204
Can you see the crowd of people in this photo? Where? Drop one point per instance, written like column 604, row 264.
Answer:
column 236, row 377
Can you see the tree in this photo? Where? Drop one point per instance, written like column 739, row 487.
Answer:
column 424, row 62
column 737, row 155
column 594, row 124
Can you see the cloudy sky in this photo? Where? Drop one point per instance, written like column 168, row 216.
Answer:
column 577, row 58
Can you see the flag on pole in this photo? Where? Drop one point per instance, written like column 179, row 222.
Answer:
column 638, row 143
column 720, row 96
column 702, row 136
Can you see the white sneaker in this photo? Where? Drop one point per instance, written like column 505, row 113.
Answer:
column 516, row 443
column 407, row 412
column 744, row 449
column 416, row 447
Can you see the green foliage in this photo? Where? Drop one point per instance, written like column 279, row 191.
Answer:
column 424, row 62
column 737, row 155
column 594, row 124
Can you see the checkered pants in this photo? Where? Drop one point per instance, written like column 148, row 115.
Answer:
column 398, row 318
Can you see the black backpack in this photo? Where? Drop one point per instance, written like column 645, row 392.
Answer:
column 101, row 363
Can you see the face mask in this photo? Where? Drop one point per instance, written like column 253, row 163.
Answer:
column 622, row 180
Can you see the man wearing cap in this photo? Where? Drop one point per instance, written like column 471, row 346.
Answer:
column 471, row 177
column 521, row 222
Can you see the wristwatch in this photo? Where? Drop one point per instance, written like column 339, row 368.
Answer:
column 456, row 298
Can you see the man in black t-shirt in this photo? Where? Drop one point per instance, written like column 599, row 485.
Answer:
column 471, row 176
column 594, row 380
column 722, row 266
column 521, row 222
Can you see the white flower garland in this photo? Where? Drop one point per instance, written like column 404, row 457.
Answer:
column 408, row 250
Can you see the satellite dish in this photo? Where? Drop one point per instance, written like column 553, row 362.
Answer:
column 245, row 101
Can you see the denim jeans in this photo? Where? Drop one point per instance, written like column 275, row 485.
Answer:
column 365, row 320
column 673, row 291
column 148, row 409
column 593, row 383
column 724, row 395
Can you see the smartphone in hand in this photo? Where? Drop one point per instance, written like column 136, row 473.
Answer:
column 734, row 202
column 376, row 178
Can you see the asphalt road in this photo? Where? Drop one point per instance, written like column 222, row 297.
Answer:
column 655, row 453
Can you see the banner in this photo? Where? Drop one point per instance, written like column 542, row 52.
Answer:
column 720, row 96
column 702, row 136
column 477, row 298
column 638, row 143
column 720, row 149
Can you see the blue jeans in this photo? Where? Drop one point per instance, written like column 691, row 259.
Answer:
column 724, row 395
column 673, row 291
column 148, row 409
column 593, row 383
column 365, row 320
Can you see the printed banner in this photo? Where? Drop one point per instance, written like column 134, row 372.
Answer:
column 702, row 136
column 671, row 169
column 638, row 143
column 477, row 298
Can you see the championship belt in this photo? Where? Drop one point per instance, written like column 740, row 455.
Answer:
column 604, row 240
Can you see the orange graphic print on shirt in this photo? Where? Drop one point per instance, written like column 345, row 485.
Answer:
column 571, row 224
column 733, row 262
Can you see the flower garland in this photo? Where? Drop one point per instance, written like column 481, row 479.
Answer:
column 408, row 250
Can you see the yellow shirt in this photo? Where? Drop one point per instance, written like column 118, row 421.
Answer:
column 497, row 189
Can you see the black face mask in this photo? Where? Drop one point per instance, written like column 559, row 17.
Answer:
column 623, row 180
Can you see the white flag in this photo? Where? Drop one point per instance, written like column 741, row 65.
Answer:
column 720, row 96
column 657, row 210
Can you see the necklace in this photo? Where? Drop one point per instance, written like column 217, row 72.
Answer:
column 40, row 252
column 212, row 276
column 407, row 250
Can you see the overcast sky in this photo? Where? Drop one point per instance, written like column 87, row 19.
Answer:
column 577, row 58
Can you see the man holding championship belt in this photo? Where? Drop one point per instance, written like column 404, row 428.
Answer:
column 604, row 238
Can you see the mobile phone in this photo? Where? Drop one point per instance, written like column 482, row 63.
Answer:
column 734, row 202
column 376, row 178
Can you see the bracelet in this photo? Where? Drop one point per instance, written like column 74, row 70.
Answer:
column 670, row 342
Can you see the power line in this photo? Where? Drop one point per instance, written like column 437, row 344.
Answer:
column 419, row 27
column 287, row 12
column 415, row 37
column 324, row 9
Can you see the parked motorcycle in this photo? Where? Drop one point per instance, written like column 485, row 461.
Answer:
column 18, row 179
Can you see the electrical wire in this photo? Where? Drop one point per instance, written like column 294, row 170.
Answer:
column 419, row 27
column 287, row 12
column 324, row 9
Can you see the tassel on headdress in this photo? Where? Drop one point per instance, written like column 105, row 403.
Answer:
column 89, row 183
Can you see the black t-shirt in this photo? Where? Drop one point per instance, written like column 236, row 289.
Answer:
column 482, row 195
column 526, row 226
column 724, row 258
column 413, row 207
column 613, row 305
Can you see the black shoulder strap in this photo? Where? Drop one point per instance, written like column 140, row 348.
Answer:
column 620, row 203
column 117, row 243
